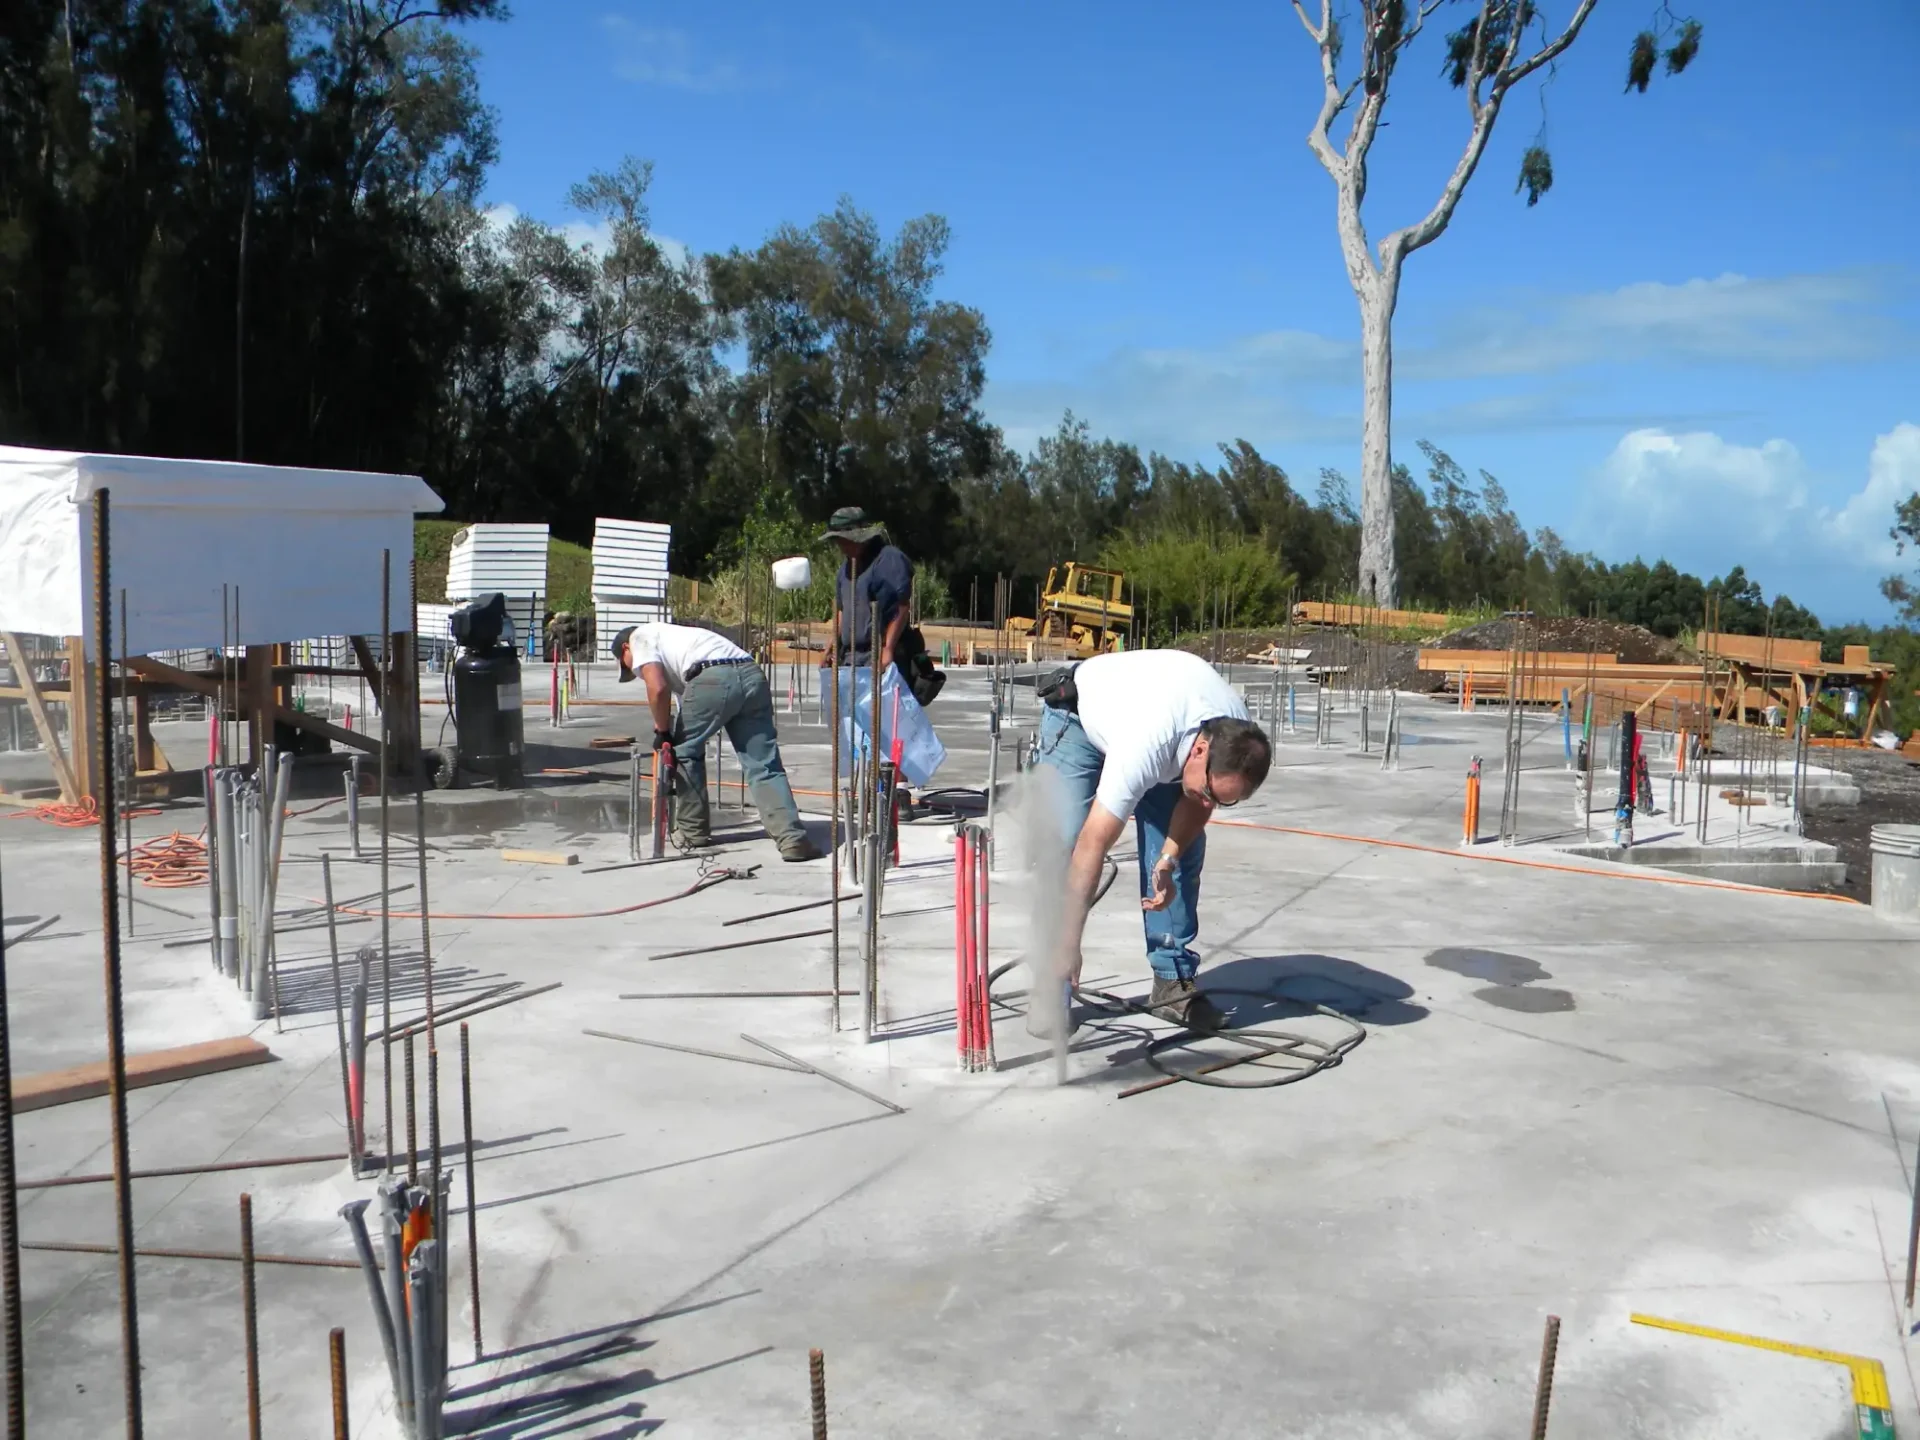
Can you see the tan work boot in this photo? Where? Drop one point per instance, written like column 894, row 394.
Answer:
column 1182, row 1003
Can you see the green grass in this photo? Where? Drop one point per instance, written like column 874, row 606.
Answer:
column 569, row 566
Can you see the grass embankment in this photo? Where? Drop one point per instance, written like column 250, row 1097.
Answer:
column 569, row 566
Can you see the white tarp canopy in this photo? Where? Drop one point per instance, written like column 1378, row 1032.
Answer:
column 300, row 547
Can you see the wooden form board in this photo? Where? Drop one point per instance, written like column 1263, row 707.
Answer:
column 155, row 1067
column 1757, row 649
column 1321, row 612
column 1499, row 662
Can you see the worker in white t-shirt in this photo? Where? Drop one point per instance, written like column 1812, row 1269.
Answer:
column 1158, row 736
column 719, row 687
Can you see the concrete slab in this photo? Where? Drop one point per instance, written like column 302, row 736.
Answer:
column 1587, row 1089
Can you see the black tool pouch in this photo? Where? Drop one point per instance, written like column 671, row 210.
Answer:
column 1058, row 692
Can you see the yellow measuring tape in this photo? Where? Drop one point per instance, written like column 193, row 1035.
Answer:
column 1872, row 1404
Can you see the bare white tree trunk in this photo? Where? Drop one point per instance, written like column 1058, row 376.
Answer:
column 1379, row 568
column 1497, row 62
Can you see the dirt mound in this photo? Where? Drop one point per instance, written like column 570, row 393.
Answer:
column 1634, row 644
column 1394, row 665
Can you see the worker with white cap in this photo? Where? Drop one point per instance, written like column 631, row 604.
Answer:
column 718, row 687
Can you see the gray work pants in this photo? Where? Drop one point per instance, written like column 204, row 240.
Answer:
column 733, row 698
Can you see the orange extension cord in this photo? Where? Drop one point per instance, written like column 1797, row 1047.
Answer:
column 1685, row 880
column 171, row 862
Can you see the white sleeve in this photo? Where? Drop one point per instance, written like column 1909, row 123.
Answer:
column 645, row 648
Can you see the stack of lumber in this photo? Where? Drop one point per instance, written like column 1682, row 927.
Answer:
column 1324, row 612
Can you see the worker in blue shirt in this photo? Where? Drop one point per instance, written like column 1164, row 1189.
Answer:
column 873, row 570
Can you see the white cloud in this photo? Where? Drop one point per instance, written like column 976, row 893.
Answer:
column 1707, row 504
column 1289, row 385
column 595, row 235
column 1185, row 401
column 650, row 55
column 1787, row 321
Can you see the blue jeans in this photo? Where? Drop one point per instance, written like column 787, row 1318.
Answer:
column 734, row 698
column 1066, row 750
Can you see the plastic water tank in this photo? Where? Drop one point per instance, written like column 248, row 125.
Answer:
column 1896, row 871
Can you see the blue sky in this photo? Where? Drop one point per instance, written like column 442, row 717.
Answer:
column 1702, row 344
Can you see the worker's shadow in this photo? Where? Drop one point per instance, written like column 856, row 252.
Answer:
column 1284, row 987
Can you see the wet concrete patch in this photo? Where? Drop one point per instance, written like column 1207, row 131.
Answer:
column 1512, row 978
column 1527, row 1000
column 1492, row 966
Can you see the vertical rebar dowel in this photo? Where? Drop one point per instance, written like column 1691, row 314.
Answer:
column 473, row 1203
column 110, row 946
column 10, row 1216
column 213, row 861
column 413, row 1135
column 123, row 754
column 876, row 835
column 833, row 822
column 353, row 805
column 1913, row 1234
column 357, row 1060
column 437, row 1186
column 386, row 901
column 817, row 1384
column 339, row 1009
column 250, row 1316
column 1543, row 1389
column 337, row 1364
column 633, row 800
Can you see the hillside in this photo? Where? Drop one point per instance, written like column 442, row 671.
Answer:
column 569, row 566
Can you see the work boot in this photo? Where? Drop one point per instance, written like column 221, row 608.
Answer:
column 800, row 848
column 1178, row 1001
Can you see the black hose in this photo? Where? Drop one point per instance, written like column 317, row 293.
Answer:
column 1313, row 1055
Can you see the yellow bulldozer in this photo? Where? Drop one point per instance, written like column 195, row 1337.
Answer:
column 1081, row 607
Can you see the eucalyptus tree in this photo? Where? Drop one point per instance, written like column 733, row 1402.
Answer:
column 1503, row 44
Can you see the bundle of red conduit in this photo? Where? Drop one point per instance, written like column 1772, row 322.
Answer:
column 972, row 875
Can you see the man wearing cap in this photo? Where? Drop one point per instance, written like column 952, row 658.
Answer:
column 873, row 571
column 1158, row 736
column 718, row 687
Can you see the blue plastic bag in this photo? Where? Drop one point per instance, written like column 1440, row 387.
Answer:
column 921, row 753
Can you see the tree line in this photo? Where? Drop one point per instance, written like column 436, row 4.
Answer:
column 253, row 229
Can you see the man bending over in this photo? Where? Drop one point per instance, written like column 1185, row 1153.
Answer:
column 1156, row 735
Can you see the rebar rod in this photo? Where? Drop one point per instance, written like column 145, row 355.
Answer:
column 250, row 1313
column 817, row 1386
column 1543, row 1387
column 413, row 1140
column 473, row 1201
column 110, row 944
column 337, row 1366
column 123, row 755
column 339, row 1006
column 160, row 1252
column 870, row 1009
column 386, row 903
column 833, row 822
column 10, row 1214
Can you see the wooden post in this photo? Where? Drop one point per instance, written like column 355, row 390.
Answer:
column 80, row 721
column 258, row 688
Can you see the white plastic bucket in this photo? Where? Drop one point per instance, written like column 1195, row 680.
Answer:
column 1896, row 871
column 793, row 573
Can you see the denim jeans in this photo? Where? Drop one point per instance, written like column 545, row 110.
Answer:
column 1066, row 750
column 734, row 698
